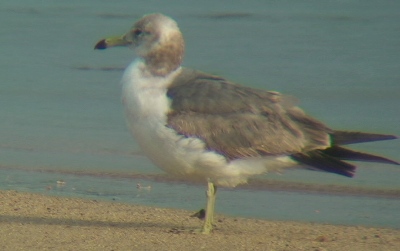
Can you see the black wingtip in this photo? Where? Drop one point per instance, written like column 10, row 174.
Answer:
column 101, row 45
column 347, row 154
column 317, row 159
column 349, row 137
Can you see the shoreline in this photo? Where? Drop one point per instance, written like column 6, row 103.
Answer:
column 41, row 222
column 253, row 184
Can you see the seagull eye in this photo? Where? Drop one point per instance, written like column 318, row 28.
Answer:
column 137, row 32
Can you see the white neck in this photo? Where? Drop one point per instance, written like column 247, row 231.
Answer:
column 143, row 94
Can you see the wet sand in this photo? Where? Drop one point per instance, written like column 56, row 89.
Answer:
column 39, row 222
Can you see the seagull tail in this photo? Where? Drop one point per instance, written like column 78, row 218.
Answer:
column 347, row 137
column 342, row 153
column 333, row 159
column 319, row 160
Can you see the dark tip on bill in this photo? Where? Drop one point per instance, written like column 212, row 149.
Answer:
column 101, row 45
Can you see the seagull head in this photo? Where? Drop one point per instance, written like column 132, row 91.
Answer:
column 155, row 38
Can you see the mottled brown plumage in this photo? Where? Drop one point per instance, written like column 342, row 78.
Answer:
column 162, row 54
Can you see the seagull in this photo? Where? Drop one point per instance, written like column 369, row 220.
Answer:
column 202, row 127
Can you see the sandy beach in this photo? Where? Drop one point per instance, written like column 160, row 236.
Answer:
column 39, row 222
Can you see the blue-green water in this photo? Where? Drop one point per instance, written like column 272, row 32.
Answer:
column 61, row 116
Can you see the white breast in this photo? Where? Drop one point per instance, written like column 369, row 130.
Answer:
column 146, row 107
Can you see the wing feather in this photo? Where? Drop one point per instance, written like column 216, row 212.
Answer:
column 239, row 121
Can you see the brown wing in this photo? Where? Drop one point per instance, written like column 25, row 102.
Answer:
column 238, row 121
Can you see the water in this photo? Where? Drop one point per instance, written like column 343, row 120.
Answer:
column 61, row 116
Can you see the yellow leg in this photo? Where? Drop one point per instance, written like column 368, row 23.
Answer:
column 209, row 220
